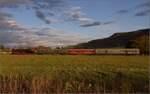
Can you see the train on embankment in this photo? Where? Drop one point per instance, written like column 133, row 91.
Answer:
column 77, row 51
column 104, row 51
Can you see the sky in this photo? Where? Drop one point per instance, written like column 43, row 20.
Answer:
column 68, row 22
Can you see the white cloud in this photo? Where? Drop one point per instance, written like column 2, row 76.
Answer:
column 76, row 14
column 36, row 37
column 44, row 9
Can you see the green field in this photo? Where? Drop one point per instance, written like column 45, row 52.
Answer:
column 73, row 74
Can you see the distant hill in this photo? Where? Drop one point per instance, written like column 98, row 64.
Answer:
column 120, row 40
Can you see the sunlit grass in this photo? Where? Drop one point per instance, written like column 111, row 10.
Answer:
column 64, row 73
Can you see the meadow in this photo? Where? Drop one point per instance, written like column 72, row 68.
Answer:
column 73, row 74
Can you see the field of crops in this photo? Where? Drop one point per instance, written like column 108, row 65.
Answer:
column 73, row 74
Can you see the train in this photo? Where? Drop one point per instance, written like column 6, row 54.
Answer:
column 78, row 51
column 104, row 51
column 22, row 51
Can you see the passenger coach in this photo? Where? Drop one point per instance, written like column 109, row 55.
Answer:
column 117, row 51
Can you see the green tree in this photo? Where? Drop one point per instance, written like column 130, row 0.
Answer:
column 141, row 42
column 2, row 47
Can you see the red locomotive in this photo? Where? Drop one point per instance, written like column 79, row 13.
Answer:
column 81, row 51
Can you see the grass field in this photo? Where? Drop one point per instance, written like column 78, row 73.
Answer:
column 73, row 74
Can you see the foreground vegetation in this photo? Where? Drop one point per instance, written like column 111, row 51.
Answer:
column 73, row 74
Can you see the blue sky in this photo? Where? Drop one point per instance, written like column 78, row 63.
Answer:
column 84, row 20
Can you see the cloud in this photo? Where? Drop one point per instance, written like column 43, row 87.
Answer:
column 108, row 22
column 90, row 24
column 49, row 4
column 41, row 15
column 37, row 36
column 13, row 3
column 22, row 36
column 142, row 13
column 122, row 11
column 46, row 19
column 143, row 9
column 42, row 4
column 43, row 8
column 4, row 15
column 143, row 5
column 76, row 14
column 9, row 38
column 6, row 23
column 46, row 10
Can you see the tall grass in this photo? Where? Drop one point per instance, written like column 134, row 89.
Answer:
column 73, row 74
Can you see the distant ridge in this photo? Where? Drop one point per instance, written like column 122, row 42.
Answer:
column 118, row 40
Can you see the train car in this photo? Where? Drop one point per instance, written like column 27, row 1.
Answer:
column 117, row 51
column 21, row 51
column 41, row 50
column 60, row 51
column 110, row 51
column 101, row 51
column 81, row 51
column 132, row 51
